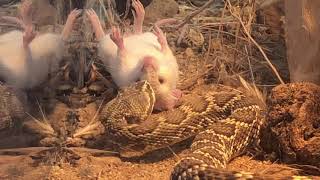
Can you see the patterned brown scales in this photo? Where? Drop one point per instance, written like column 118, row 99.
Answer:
column 224, row 122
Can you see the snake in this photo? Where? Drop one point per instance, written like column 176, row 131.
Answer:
column 223, row 121
column 12, row 107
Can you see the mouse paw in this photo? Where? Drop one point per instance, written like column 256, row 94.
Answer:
column 15, row 20
column 69, row 23
column 93, row 18
column 117, row 38
column 73, row 15
column 138, row 15
column 95, row 23
column 26, row 12
column 28, row 35
column 161, row 38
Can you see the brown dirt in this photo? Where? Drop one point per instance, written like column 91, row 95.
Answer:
column 294, row 122
column 104, row 167
column 224, row 62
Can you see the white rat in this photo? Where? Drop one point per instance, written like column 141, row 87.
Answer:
column 25, row 57
column 126, row 57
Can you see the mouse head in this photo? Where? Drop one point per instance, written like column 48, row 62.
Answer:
column 163, row 80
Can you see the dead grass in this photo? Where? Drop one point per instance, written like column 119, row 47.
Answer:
column 231, row 46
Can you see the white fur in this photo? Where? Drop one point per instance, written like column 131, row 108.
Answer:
column 23, row 72
column 128, row 69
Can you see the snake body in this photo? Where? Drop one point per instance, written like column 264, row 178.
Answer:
column 11, row 107
column 223, row 120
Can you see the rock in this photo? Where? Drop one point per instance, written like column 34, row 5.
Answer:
column 45, row 13
column 273, row 17
column 293, row 129
column 189, row 52
column 160, row 9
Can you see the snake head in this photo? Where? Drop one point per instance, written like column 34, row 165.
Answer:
column 138, row 97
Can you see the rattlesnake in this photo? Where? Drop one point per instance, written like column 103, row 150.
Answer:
column 12, row 106
column 223, row 120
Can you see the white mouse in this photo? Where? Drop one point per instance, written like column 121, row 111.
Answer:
column 127, row 57
column 27, row 58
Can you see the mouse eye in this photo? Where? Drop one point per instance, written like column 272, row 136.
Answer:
column 161, row 80
column 137, row 80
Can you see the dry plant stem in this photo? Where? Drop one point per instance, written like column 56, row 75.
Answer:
column 225, row 32
column 182, row 33
column 35, row 150
column 42, row 113
column 249, row 62
column 13, row 20
column 46, row 128
column 24, row 151
column 209, row 48
column 255, row 43
column 12, row 25
column 108, row 12
column 175, row 155
column 188, row 83
column 222, row 16
column 126, row 13
column 104, row 8
column 193, row 14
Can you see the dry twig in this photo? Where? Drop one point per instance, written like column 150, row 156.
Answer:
column 193, row 14
column 254, row 42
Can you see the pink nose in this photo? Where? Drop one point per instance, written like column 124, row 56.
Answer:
column 149, row 62
column 163, row 106
column 169, row 104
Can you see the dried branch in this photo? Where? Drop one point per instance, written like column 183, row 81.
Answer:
column 193, row 14
column 255, row 43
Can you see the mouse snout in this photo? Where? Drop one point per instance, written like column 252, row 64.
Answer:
column 149, row 62
column 169, row 101
column 164, row 105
